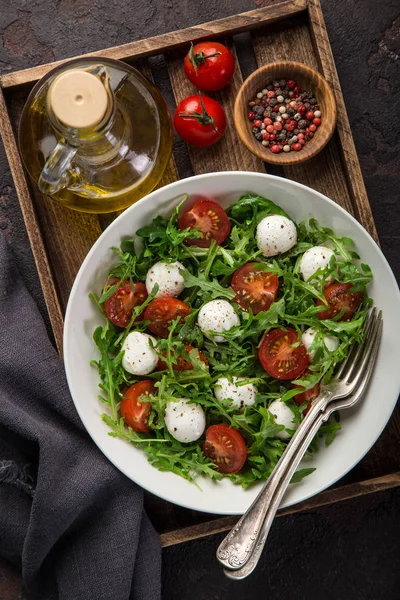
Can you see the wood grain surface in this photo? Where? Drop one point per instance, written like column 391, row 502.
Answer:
column 61, row 238
column 165, row 42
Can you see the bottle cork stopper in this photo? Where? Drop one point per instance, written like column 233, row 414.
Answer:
column 78, row 99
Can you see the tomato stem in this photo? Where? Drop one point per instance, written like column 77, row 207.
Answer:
column 199, row 58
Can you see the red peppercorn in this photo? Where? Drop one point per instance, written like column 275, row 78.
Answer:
column 278, row 126
column 301, row 109
column 297, row 146
column 268, row 121
column 290, row 126
column 271, row 94
column 276, row 108
column 297, row 89
column 275, row 148
column 257, row 123
column 265, row 135
column 252, row 115
column 272, row 136
column 312, row 128
column 300, row 136
column 291, row 84
column 317, row 121
column 270, row 128
column 302, row 141
column 309, row 115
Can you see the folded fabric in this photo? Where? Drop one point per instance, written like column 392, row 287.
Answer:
column 73, row 522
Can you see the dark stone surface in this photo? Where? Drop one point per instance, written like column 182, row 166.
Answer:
column 349, row 550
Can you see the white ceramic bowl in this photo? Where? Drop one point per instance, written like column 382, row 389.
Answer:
column 361, row 426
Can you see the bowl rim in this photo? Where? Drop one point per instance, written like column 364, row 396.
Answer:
column 68, row 331
column 280, row 159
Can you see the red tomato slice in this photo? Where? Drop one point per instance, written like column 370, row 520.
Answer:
column 339, row 298
column 162, row 311
column 134, row 409
column 307, row 395
column 209, row 66
column 254, row 287
column 210, row 219
column 278, row 356
column 120, row 305
column 226, row 447
column 181, row 363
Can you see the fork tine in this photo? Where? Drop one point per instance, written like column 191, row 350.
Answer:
column 353, row 354
column 359, row 348
column 357, row 374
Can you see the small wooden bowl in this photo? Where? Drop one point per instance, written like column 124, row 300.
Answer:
column 308, row 80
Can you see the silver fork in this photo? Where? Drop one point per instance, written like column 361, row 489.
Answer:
column 236, row 549
column 281, row 487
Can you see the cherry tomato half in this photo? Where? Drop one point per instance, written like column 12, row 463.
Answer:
column 200, row 121
column 134, row 410
column 120, row 305
column 209, row 66
column 340, row 298
column 255, row 288
column 278, row 356
column 162, row 311
column 210, row 219
column 226, row 447
column 181, row 363
column 307, row 395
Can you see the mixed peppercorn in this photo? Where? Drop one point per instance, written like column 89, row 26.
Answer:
column 284, row 118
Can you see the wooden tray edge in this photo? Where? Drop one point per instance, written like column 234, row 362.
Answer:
column 174, row 39
column 332, row 496
column 31, row 224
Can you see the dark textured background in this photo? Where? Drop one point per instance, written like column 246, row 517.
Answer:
column 347, row 551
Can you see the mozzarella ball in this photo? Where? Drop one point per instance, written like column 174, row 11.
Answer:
column 166, row 275
column 217, row 316
column 241, row 395
column 331, row 341
column 282, row 416
column 185, row 422
column 313, row 259
column 275, row 235
column 139, row 358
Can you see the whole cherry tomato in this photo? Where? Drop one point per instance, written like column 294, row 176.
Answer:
column 200, row 121
column 209, row 66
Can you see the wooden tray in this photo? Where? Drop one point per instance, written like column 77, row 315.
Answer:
column 61, row 238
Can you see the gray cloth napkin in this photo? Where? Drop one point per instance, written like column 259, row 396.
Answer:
column 74, row 522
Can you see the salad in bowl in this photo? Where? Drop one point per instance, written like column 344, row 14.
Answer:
column 226, row 382
column 219, row 327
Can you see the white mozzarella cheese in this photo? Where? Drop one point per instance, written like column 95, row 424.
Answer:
column 331, row 341
column 276, row 234
column 282, row 416
column 168, row 278
column 185, row 422
column 139, row 358
column 313, row 259
column 240, row 395
column 217, row 316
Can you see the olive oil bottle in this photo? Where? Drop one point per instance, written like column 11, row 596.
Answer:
column 95, row 135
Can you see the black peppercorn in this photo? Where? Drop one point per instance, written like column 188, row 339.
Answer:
column 282, row 83
column 311, row 134
column 258, row 136
column 272, row 102
column 302, row 124
column 295, row 131
column 255, row 130
column 313, row 101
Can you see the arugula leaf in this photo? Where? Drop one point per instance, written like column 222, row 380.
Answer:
column 210, row 288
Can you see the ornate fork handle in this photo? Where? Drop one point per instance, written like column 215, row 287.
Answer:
column 235, row 550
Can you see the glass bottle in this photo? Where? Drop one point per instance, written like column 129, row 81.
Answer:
column 95, row 135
